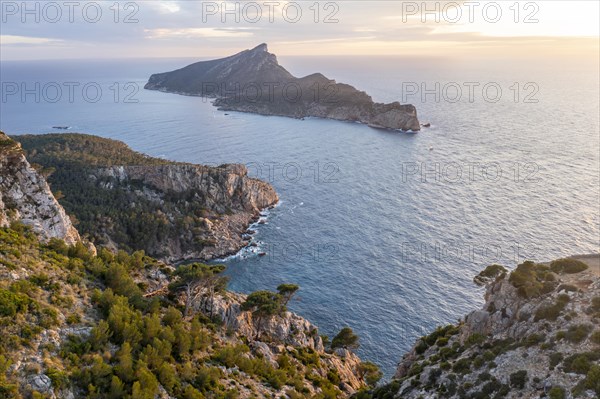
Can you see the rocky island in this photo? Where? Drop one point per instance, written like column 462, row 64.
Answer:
column 253, row 81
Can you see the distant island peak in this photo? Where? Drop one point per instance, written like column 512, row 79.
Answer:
column 253, row 81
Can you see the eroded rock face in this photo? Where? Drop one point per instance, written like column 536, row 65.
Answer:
column 282, row 333
column 288, row 329
column 225, row 190
column 26, row 197
column 253, row 81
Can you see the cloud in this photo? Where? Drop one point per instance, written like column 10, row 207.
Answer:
column 26, row 40
column 191, row 33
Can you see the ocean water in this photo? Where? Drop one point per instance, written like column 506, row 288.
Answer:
column 383, row 231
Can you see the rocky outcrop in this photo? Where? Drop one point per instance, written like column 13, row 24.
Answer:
column 283, row 333
column 226, row 191
column 536, row 334
column 26, row 197
column 286, row 329
column 173, row 211
column 253, row 81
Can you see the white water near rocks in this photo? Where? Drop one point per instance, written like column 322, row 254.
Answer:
column 378, row 228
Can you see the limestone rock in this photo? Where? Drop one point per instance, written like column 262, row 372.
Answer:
column 26, row 197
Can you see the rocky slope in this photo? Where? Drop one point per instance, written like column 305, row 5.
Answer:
column 26, row 197
column 285, row 333
column 253, row 81
column 537, row 336
column 77, row 323
column 68, row 318
column 173, row 211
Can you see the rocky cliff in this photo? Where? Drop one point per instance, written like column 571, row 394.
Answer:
column 173, row 211
column 26, row 197
column 536, row 336
column 253, row 81
column 285, row 334
column 76, row 322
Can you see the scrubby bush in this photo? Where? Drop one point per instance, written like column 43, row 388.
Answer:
column 489, row 273
column 345, row 339
column 580, row 363
column 552, row 312
column 556, row 393
column 568, row 265
column 462, row 366
column 11, row 303
column 576, row 334
column 555, row 359
column 592, row 379
column 518, row 379
column 529, row 279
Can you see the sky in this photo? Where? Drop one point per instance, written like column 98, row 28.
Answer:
column 204, row 29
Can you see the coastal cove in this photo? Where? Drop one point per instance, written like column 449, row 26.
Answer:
column 376, row 239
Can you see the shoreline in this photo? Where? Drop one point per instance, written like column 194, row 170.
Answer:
column 245, row 239
column 299, row 118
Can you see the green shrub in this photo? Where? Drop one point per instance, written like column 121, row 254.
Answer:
column 578, row 333
column 421, row 347
column 489, row 273
column 534, row 339
column 462, row 366
column 11, row 303
column 518, row 379
column 595, row 337
column 580, row 363
column 555, row 359
column 475, row 339
column 529, row 279
column 596, row 304
column 592, row 379
column 556, row 393
column 345, row 339
column 567, row 265
column 552, row 312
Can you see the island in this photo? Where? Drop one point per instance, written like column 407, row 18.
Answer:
column 253, row 81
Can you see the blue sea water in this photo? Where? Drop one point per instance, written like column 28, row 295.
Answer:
column 383, row 231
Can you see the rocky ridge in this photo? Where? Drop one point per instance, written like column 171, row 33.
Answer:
column 536, row 336
column 26, row 197
column 226, row 191
column 173, row 211
column 253, row 81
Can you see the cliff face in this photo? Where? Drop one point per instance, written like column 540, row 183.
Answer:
column 225, row 191
column 536, row 335
column 173, row 211
column 26, row 197
column 253, row 81
column 282, row 334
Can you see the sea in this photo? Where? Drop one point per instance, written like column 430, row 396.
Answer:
column 382, row 230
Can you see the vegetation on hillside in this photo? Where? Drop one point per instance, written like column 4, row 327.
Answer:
column 116, row 342
column 543, row 335
column 109, row 211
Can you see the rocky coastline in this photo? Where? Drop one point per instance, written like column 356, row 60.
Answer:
column 536, row 336
column 173, row 211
